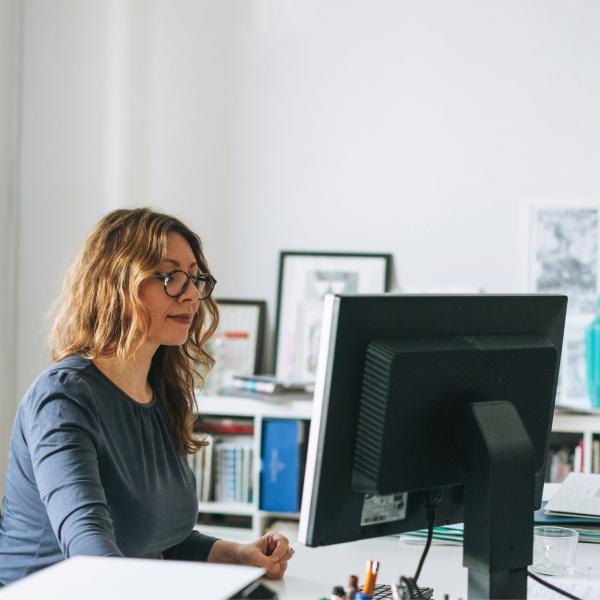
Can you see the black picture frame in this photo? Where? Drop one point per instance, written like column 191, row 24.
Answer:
column 340, row 272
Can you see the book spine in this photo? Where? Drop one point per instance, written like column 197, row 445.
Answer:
column 248, row 385
column 578, row 458
column 281, row 458
column 559, row 464
column 207, row 470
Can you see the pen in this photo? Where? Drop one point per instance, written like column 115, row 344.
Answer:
column 375, row 571
column 370, row 577
column 352, row 587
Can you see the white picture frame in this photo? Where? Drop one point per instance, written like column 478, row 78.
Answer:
column 237, row 344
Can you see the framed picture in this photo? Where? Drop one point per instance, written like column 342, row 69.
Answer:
column 237, row 344
column 564, row 254
column 304, row 280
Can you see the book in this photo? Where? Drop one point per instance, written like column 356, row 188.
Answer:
column 207, row 459
column 578, row 496
column 444, row 535
column 225, row 425
column 588, row 528
column 266, row 384
column 233, row 469
column 275, row 398
column 282, row 464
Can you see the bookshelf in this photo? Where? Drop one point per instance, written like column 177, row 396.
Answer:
column 571, row 429
column 245, row 521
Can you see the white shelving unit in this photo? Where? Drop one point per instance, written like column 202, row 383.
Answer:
column 586, row 425
column 281, row 407
column 290, row 407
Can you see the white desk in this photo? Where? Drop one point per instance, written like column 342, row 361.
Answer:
column 314, row 571
column 311, row 575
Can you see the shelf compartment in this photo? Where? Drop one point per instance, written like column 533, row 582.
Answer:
column 226, row 508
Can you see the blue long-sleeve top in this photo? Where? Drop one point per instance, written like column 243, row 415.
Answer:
column 93, row 472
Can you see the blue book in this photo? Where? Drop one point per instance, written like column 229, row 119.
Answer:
column 283, row 455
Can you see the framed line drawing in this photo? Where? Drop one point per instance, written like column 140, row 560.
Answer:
column 564, row 257
column 564, row 254
column 237, row 344
column 304, row 280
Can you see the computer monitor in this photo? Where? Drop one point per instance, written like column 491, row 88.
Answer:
column 417, row 394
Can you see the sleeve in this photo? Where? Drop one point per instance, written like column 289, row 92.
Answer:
column 195, row 547
column 62, row 434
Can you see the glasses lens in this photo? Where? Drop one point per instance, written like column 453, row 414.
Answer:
column 176, row 283
column 205, row 287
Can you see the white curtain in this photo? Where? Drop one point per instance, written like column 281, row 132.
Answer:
column 10, row 26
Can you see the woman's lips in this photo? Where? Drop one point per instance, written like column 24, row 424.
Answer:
column 181, row 319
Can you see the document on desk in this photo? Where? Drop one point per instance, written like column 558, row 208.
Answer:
column 586, row 588
column 97, row 578
column 578, row 495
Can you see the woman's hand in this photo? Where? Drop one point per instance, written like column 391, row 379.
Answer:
column 272, row 552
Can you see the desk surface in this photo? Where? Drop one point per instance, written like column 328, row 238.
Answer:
column 314, row 571
column 311, row 574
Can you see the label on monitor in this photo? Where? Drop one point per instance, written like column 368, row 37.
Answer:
column 383, row 509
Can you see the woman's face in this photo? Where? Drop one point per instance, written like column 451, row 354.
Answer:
column 171, row 318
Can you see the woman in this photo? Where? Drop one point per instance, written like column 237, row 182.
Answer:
column 98, row 449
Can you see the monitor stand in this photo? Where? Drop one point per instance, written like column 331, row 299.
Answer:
column 499, row 500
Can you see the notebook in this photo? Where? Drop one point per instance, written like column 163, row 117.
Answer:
column 99, row 578
column 577, row 496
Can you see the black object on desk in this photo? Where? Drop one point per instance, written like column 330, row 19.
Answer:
column 422, row 393
column 257, row 591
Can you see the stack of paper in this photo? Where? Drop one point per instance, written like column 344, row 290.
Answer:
column 587, row 527
column 578, row 496
column 576, row 504
column 451, row 535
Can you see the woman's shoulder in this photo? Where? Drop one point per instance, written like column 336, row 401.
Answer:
column 62, row 398
column 71, row 370
column 69, row 378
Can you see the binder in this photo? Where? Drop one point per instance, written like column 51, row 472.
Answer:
column 283, row 455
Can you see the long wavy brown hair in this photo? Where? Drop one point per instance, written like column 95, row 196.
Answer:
column 100, row 313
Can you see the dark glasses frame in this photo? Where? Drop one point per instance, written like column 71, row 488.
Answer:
column 195, row 279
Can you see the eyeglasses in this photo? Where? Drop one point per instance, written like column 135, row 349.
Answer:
column 176, row 282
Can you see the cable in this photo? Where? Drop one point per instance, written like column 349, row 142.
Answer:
column 435, row 497
column 552, row 587
column 425, row 550
column 409, row 584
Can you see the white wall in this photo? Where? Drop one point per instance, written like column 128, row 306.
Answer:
column 107, row 122
column 9, row 117
column 417, row 128
column 414, row 127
